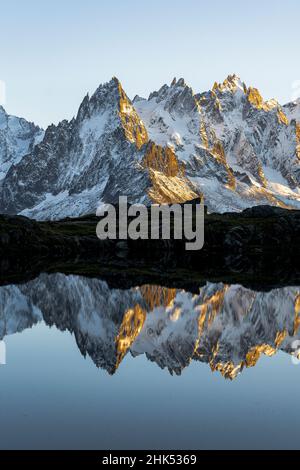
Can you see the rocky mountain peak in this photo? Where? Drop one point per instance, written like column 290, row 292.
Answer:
column 178, row 98
column 110, row 107
column 231, row 84
column 292, row 110
column 83, row 108
column 255, row 98
column 17, row 138
column 180, row 83
column 134, row 127
column 176, row 87
column 106, row 95
column 137, row 98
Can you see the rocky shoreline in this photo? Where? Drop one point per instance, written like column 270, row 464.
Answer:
column 258, row 247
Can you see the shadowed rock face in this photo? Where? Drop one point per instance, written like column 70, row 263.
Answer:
column 225, row 326
column 17, row 139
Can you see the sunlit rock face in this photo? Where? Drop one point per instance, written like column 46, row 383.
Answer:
column 167, row 175
column 227, row 143
column 95, row 155
column 226, row 327
column 259, row 141
column 238, row 149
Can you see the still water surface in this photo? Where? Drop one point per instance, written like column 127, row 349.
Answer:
column 92, row 367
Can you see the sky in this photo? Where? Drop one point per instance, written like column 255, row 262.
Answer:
column 53, row 52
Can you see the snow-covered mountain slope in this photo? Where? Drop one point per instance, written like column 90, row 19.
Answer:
column 237, row 149
column 17, row 139
column 227, row 327
column 292, row 110
column 16, row 311
column 77, row 162
column 259, row 140
column 228, row 144
column 102, row 153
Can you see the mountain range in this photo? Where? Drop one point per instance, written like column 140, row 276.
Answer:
column 227, row 144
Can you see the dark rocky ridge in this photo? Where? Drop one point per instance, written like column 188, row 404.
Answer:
column 258, row 248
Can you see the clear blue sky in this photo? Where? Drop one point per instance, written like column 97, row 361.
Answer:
column 53, row 52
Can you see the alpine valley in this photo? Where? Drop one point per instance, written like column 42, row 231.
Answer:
column 227, row 144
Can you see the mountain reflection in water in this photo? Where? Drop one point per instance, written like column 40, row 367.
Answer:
column 227, row 327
